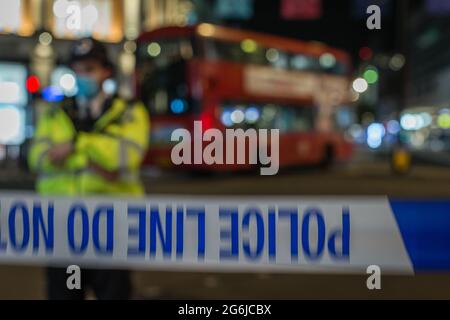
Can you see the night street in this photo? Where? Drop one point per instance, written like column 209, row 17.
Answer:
column 224, row 149
column 364, row 176
column 367, row 174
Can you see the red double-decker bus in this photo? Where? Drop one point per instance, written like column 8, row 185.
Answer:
column 229, row 78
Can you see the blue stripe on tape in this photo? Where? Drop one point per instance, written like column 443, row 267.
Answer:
column 425, row 228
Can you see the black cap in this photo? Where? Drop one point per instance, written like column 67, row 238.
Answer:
column 89, row 49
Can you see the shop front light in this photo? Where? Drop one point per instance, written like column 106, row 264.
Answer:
column 393, row 127
column 408, row 122
column 9, row 92
column 375, row 135
column 11, row 126
column 414, row 122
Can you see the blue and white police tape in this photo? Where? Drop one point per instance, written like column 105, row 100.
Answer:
column 231, row 234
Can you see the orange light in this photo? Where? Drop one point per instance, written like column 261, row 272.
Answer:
column 206, row 30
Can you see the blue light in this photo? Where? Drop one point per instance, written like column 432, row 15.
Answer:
column 178, row 106
column 393, row 127
column 376, row 131
column 53, row 94
column 252, row 114
column 109, row 86
column 374, row 143
column 375, row 134
column 226, row 118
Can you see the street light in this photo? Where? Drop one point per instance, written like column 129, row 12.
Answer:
column 360, row 85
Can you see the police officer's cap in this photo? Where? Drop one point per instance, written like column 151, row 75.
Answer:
column 89, row 49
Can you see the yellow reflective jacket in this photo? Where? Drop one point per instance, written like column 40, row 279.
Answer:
column 105, row 160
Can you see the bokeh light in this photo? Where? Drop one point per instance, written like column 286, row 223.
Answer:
column 360, row 85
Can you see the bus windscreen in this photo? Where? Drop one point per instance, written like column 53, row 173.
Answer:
column 162, row 76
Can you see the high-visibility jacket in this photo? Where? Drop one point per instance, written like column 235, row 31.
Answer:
column 105, row 160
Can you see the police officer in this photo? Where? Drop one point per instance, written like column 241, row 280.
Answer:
column 91, row 145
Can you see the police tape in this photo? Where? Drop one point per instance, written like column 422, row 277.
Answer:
column 229, row 234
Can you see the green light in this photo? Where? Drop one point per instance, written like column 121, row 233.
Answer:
column 249, row 46
column 444, row 121
column 154, row 49
column 371, row 76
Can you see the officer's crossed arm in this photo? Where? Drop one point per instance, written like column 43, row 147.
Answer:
column 52, row 150
column 38, row 159
column 121, row 146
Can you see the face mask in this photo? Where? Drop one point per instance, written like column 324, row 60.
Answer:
column 87, row 87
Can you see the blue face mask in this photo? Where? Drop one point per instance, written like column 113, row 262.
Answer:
column 87, row 87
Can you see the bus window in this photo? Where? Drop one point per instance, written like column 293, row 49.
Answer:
column 285, row 118
column 250, row 52
column 246, row 51
column 162, row 76
column 269, row 114
column 338, row 69
column 344, row 117
column 220, row 50
column 304, row 63
column 165, row 91
column 295, row 119
column 165, row 52
column 277, row 58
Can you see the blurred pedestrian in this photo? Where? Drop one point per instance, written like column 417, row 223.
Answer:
column 91, row 145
